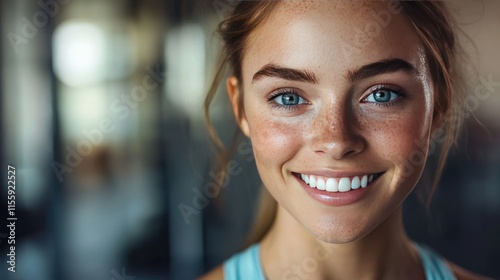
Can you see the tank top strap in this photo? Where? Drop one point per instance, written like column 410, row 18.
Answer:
column 434, row 266
column 245, row 265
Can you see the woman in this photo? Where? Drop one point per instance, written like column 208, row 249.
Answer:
column 340, row 100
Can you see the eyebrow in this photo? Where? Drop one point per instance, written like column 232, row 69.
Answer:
column 364, row 72
column 273, row 70
column 381, row 67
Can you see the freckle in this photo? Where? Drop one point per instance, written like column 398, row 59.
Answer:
column 299, row 7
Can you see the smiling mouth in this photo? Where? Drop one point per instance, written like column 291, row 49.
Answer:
column 343, row 184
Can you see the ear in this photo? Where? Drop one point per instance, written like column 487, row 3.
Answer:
column 235, row 96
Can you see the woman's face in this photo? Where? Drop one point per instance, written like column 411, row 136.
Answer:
column 338, row 105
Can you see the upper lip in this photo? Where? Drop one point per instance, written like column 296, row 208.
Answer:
column 337, row 174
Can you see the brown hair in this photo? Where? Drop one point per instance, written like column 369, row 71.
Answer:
column 433, row 25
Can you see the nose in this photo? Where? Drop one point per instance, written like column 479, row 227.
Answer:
column 336, row 132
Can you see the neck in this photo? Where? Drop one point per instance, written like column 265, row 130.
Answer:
column 385, row 253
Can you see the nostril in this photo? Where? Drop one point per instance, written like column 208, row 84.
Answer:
column 349, row 153
column 341, row 149
column 338, row 140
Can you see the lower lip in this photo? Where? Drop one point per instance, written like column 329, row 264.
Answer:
column 336, row 198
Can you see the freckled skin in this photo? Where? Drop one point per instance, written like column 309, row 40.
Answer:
column 375, row 139
column 334, row 130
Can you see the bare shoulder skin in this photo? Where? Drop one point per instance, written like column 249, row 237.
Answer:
column 215, row 274
column 463, row 274
column 460, row 273
column 334, row 115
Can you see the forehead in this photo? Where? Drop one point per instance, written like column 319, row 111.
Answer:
column 331, row 36
column 298, row 7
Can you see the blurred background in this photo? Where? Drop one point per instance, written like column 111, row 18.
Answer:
column 101, row 115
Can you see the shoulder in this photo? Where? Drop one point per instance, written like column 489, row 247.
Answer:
column 243, row 265
column 437, row 262
column 215, row 274
column 463, row 274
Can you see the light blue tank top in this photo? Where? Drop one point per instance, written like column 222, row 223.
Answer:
column 246, row 265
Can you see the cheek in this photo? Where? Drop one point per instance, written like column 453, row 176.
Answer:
column 273, row 142
column 402, row 143
column 398, row 139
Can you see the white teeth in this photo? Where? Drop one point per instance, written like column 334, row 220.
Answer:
column 320, row 184
column 344, row 185
column 312, row 182
column 337, row 185
column 332, row 185
column 364, row 181
column 355, row 184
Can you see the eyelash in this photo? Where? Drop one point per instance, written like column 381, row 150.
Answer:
column 272, row 96
column 397, row 90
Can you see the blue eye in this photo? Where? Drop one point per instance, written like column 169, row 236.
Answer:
column 382, row 96
column 289, row 99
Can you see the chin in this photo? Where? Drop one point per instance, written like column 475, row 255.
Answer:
column 346, row 226
column 339, row 234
